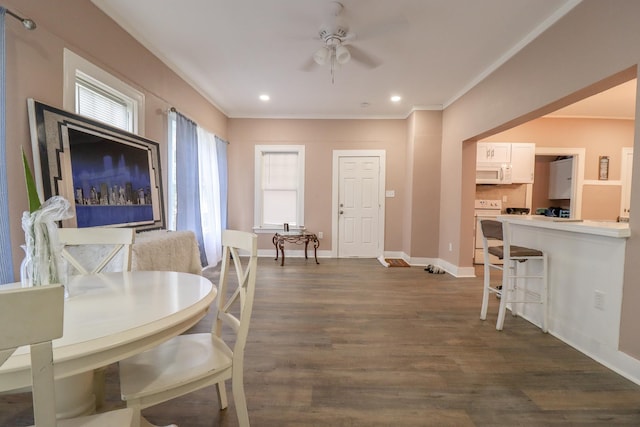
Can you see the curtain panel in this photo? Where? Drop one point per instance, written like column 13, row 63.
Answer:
column 187, row 181
column 209, row 196
column 6, row 260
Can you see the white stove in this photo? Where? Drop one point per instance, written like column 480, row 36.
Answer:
column 484, row 209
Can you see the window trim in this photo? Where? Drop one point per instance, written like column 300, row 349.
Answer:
column 76, row 66
column 260, row 150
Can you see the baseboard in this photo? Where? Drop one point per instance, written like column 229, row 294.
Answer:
column 457, row 271
column 452, row 269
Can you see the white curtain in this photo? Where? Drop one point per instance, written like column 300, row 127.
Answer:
column 209, row 196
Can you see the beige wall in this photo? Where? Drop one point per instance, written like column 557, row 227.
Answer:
column 599, row 137
column 592, row 48
column 320, row 138
column 34, row 70
column 423, row 176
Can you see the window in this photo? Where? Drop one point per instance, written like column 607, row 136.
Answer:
column 279, row 187
column 94, row 93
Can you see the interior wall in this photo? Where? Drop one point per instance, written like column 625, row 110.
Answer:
column 407, row 224
column 599, row 137
column 424, row 178
column 320, row 138
column 34, row 69
column 592, row 48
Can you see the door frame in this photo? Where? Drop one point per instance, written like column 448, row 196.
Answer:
column 337, row 155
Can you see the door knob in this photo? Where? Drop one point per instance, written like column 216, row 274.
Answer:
column 341, row 212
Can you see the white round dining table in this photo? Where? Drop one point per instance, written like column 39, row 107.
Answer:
column 109, row 317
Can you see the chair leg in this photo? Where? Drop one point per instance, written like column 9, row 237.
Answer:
column 485, row 291
column 516, row 284
column 240, row 400
column 137, row 414
column 506, row 291
column 222, row 395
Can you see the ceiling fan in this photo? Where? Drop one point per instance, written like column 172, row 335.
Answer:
column 336, row 36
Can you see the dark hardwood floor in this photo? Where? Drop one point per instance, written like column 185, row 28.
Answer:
column 351, row 343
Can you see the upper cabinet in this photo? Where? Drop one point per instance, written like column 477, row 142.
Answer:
column 520, row 155
column 493, row 152
column 523, row 162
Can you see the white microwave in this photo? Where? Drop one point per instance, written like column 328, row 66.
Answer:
column 493, row 173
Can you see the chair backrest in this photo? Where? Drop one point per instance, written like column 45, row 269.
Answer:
column 235, row 306
column 34, row 316
column 491, row 229
column 107, row 243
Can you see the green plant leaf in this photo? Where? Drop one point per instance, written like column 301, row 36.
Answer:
column 32, row 191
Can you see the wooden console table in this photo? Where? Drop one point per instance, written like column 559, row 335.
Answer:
column 297, row 237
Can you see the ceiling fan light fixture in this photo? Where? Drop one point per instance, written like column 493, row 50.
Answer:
column 342, row 55
column 322, row 55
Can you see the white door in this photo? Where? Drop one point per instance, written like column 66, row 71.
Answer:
column 359, row 207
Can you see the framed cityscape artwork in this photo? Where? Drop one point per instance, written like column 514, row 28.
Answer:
column 111, row 177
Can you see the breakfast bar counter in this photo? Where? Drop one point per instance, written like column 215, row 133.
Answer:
column 585, row 276
column 596, row 228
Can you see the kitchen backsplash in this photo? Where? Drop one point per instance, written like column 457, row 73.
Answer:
column 516, row 194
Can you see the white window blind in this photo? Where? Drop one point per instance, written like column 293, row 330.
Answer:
column 279, row 187
column 102, row 105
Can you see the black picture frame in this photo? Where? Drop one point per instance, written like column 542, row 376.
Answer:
column 109, row 176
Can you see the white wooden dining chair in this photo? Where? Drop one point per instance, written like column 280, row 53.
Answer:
column 190, row 362
column 102, row 246
column 107, row 243
column 34, row 317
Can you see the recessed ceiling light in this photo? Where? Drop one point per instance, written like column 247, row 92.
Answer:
column 396, row 98
column 264, row 97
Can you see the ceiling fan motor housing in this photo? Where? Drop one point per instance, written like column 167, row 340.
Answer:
column 333, row 37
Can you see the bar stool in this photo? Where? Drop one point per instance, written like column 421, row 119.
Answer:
column 512, row 282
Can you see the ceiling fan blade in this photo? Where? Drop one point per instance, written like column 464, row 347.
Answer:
column 364, row 58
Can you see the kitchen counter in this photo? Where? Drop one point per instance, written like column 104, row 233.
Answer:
column 585, row 276
column 598, row 228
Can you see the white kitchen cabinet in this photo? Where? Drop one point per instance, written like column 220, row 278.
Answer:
column 493, row 152
column 560, row 175
column 523, row 162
